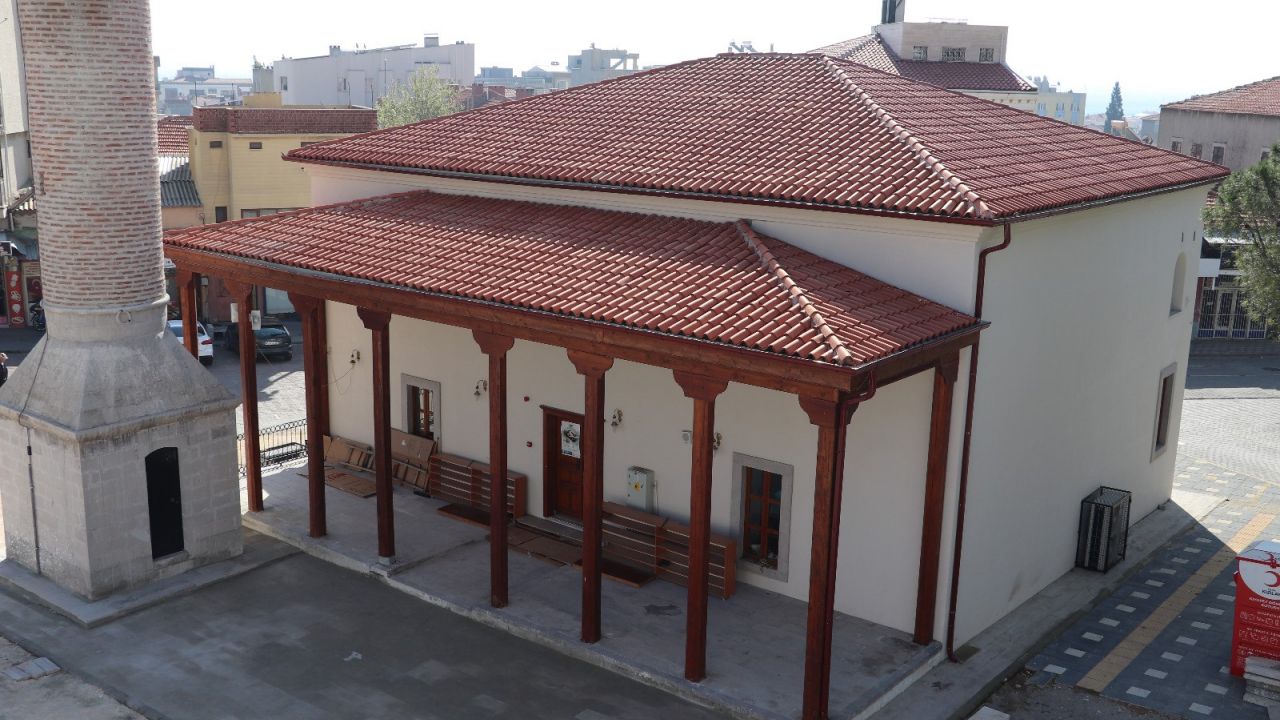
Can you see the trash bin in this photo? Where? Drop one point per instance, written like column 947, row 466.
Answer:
column 1104, row 529
column 1256, row 631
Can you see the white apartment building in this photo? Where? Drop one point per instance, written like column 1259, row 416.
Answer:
column 363, row 76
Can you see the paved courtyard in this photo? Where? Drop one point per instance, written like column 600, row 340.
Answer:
column 1162, row 641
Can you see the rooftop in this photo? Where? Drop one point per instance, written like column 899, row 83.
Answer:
column 1257, row 98
column 171, row 131
column 285, row 121
column 177, row 188
column 798, row 130
column 722, row 283
column 871, row 51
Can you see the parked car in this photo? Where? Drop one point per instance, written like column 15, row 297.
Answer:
column 273, row 339
column 205, row 342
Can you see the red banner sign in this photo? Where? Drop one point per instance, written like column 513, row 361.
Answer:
column 13, row 301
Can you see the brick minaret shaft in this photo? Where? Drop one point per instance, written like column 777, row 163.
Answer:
column 118, row 449
column 91, row 104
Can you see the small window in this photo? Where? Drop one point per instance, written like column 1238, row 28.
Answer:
column 920, row 52
column 952, row 54
column 1060, row 110
column 250, row 214
column 305, row 143
column 1179, row 284
column 421, row 420
column 762, row 496
column 255, row 145
column 1196, row 150
column 1219, row 153
column 220, row 213
column 284, row 83
column 986, row 55
column 1040, row 109
column 1175, row 145
column 1164, row 408
column 215, row 144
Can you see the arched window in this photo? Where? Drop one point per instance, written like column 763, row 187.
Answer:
column 1179, row 284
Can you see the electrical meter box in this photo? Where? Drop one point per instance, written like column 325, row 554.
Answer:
column 640, row 488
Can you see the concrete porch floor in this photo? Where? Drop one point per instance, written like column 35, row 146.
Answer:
column 755, row 639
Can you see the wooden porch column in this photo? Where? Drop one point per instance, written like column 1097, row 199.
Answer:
column 832, row 419
column 935, row 486
column 314, row 378
column 187, row 283
column 377, row 321
column 322, row 369
column 243, row 295
column 592, row 368
column 496, row 347
column 703, row 390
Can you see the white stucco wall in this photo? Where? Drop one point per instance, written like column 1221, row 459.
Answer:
column 884, row 476
column 1081, row 328
column 1068, row 380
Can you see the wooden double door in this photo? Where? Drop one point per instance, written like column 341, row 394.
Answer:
column 562, row 463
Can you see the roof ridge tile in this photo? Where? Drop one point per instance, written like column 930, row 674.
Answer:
column 794, row 292
column 977, row 206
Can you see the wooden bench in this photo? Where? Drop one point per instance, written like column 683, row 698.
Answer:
column 660, row 547
column 409, row 457
column 465, row 482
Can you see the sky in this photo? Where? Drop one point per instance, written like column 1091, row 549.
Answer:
column 1158, row 52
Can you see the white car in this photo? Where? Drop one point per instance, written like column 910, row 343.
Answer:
column 206, row 342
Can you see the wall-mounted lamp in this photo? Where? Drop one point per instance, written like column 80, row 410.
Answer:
column 616, row 419
column 482, row 386
column 687, row 437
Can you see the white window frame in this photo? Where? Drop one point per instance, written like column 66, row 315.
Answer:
column 787, row 473
column 986, row 55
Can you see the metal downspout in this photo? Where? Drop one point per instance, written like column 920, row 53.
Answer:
column 968, row 437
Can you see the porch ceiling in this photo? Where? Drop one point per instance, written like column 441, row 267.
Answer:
column 716, row 284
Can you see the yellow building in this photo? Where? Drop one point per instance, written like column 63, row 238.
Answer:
column 236, row 155
column 236, row 162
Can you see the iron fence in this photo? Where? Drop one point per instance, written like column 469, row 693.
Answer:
column 277, row 445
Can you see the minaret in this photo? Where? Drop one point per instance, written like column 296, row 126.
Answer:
column 117, row 449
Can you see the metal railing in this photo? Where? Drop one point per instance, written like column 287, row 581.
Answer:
column 1234, row 325
column 277, row 445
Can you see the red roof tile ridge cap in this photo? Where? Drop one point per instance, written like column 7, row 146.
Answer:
column 977, row 206
column 794, row 292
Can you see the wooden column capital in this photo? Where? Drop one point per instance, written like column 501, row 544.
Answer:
column 948, row 368
column 241, row 291
column 305, row 303
column 827, row 413
column 374, row 319
column 699, row 387
column 491, row 343
column 590, row 364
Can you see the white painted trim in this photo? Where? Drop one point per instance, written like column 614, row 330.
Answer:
column 787, row 473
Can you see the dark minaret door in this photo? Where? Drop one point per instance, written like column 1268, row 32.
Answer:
column 164, row 498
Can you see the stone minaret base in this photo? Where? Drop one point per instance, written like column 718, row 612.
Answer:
column 91, row 407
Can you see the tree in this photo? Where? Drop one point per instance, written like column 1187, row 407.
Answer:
column 1115, row 110
column 1248, row 209
column 422, row 97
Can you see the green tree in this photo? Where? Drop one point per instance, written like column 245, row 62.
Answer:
column 1115, row 109
column 422, row 97
column 1248, row 209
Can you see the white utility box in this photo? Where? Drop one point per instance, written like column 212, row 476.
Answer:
column 640, row 488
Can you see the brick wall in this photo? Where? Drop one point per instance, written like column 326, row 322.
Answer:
column 97, row 186
column 293, row 121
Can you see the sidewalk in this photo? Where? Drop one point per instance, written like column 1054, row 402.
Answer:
column 1217, row 347
column 13, row 340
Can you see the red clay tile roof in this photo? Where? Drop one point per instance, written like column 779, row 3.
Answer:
column 717, row 282
column 772, row 128
column 264, row 121
column 871, row 51
column 172, row 134
column 1259, row 98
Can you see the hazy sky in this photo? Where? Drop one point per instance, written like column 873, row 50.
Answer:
column 1159, row 52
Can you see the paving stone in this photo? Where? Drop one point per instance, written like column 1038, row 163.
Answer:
column 1138, row 692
